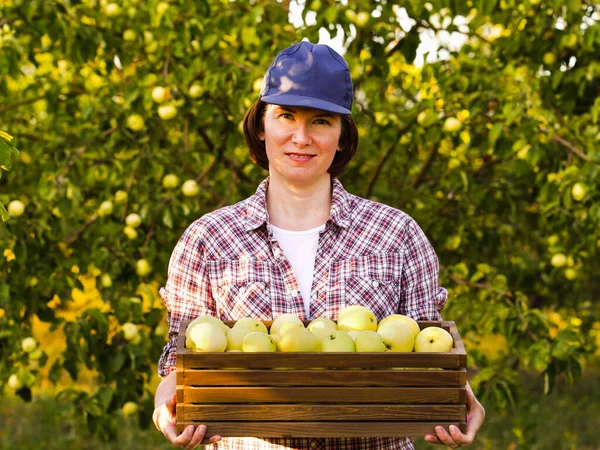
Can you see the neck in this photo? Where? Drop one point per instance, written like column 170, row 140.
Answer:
column 298, row 208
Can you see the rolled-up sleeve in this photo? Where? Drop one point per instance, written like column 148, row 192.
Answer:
column 187, row 293
column 421, row 296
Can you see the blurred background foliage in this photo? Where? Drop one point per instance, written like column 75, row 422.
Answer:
column 127, row 116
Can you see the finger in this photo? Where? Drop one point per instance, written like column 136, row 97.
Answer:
column 433, row 439
column 212, row 440
column 172, row 403
column 183, row 438
column 445, row 437
column 196, row 437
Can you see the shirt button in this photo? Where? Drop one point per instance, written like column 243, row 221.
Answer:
column 243, row 290
column 375, row 283
column 292, row 293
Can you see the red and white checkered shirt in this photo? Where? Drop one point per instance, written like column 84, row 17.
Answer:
column 228, row 264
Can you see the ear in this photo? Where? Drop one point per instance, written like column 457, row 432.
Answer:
column 261, row 135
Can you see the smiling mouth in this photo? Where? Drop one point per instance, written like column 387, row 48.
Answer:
column 300, row 155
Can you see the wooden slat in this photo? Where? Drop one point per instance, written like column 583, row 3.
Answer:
column 458, row 344
column 307, row 360
column 311, row 413
column 337, row 395
column 321, row 429
column 409, row 377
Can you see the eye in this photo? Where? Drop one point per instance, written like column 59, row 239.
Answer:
column 286, row 115
column 322, row 122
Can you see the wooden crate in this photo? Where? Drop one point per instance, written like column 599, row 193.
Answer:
column 322, row 394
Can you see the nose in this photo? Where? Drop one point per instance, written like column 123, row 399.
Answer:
column 301, row 136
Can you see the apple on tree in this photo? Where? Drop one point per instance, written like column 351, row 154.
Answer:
column 16, row 208
column 190, row 188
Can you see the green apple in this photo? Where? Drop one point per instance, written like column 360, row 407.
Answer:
column 112, row 10
column 195, row 90
column 322, row 327
column 414, row 326
column 578, row 192
column 287, row 326
column 338, row 341
column 36, row 354
column 14, row 382
column 161, row 8
column 120, row 196
column 257, row 341
column 105, row 280
column 105, row 208
column 353, row 334
column 433, row 339
column 569, row 40
column 160, row 94
column 549, row 58
column 356, row 318
column 28, row 344
column 452, row 125
column 129, row 35
column 143, row 267
column 170, row 181
column 208, row 337
column 280, row 320
column 133, row 220
column 369, row 341
column 129, row 409
column 160, row 330
column 190, row 188
column 167, row 112
column 251, row 325
column 206, row 318
column 350, row 15
column 135, row 122
column 397, row 336
column 27, row 378
column 131, row 233
column 558, row 260
column 16, row 208
column 130, row 331
column 148, row 38
column 298, row 339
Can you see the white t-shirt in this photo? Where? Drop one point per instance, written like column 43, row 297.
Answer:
column 300, row 248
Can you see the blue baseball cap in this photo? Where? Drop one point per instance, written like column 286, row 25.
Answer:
column 310, row 75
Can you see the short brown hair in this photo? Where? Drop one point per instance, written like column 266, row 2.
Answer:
column 254, row 124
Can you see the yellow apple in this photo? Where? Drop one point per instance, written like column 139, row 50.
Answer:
column 161, row 8
column 414, row 326
column 28, row 344
column 397, row 336
column 369, row 341
column 322, row 327
column 105, row 208
column 16, row 208
column 143, row 267
column 170, row 181
column 167, row 112
column 195, row 90
column 287, row 326
column 452, row 125
column 190, row 188
column 105, row 280
column 208, row 337
column 353, row 334
column 131, row 233
column 578, row 192
column 160, row 94
column 133, row 220
column 251, row 325
column 112, row 10
column 129, row 409
column 129, row 35
column 14, row 382
column 558, row 260
column 549, row 58
column 36, row 354
column 130, row 331
column 257, row 341
column 135, row 122
column 433, row 339
column 338, row 341
column 120, row 196
column 570, row 273
column 361, row 19
column 356, row 318
column 298, row 339
column 206, row 318
column 235, row 338
column 280, row 320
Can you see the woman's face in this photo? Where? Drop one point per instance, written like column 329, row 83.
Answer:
column 300, row 143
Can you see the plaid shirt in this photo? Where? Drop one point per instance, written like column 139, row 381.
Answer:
column 228, row 264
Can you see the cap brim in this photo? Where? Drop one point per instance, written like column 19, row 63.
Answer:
column 309, row 102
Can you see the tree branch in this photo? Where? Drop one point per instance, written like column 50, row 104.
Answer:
column 426, row 166
column 570, row 146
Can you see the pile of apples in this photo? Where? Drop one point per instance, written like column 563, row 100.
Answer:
column 356, row 330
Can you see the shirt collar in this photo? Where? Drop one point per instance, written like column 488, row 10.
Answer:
column 256, row 206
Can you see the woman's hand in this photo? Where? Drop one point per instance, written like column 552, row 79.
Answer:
column 475, row 416
column 165, row 421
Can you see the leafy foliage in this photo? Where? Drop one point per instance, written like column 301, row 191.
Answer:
column 491, row 145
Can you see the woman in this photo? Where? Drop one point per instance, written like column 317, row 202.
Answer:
column 301, row 244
